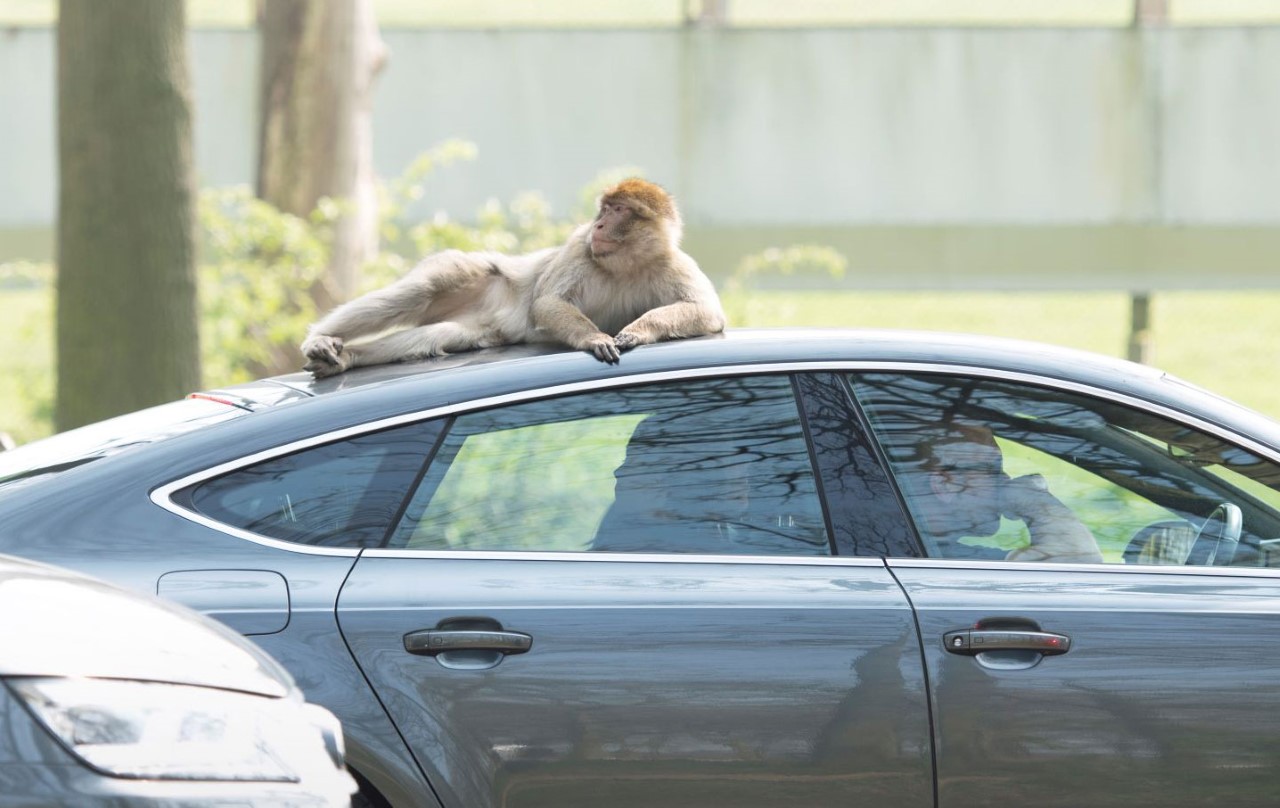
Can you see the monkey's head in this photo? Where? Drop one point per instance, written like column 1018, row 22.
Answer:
column 638, row 219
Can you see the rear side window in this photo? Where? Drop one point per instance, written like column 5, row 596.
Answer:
column 341, row 494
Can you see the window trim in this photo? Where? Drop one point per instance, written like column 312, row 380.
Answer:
column 1051, row 566
column 162, row 496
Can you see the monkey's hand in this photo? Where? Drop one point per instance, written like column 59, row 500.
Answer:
column 603, row 347
column 626, row 340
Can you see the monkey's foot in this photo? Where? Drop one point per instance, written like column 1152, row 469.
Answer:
column 321, row 369
column 323, row 348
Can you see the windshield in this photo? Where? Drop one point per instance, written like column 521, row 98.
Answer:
column 78, row 446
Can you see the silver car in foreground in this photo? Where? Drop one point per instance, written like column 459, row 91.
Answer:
column 765, row 568
column 111, row 698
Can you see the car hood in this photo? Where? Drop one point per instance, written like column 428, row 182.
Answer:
column 55, row 622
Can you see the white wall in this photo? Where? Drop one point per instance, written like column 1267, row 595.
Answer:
column 1137, row 156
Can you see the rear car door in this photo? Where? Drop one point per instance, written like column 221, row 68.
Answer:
column 1110, row 636
column 631, row 596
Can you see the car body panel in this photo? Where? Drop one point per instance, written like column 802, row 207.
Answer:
column 652, row 683
column 249, row 601
column 1164, row 696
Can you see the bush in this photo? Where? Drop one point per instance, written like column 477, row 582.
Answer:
column 262, row 268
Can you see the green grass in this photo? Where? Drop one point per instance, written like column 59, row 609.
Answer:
column 1228, row 342
column 26, row 342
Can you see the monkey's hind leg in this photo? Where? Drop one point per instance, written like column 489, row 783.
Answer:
column 437, row 339
column 452, row 276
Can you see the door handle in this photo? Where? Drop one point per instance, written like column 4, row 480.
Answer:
column 438, row 641
column 974, row 641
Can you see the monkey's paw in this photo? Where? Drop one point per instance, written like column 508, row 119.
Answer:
column 603, row 347
column 626, row 340
column 324, row 349
column 321, row 369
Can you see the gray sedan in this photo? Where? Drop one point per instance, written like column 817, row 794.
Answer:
column 829, row 567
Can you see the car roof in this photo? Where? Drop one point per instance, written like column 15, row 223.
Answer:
column 458, row 377
column 733, row 347
column 294, row 407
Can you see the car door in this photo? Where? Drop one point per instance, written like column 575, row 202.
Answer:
column 632, row 597
column 1111, row 636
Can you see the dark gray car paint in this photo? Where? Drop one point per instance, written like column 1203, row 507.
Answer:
column 71, row 518
column 649, row 683
column 249, row 601
column 1165, row 697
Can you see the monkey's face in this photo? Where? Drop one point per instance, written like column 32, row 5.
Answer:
column 611, row 228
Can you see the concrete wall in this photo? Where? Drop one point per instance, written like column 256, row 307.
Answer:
column 1001, row 158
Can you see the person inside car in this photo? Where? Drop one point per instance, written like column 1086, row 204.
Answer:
column 959, row 490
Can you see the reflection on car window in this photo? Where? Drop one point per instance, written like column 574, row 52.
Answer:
column 76, row 447
column 342, row 494
column 997, row 470
column 717, row 466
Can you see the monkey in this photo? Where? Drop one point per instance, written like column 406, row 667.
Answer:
column 619, row 281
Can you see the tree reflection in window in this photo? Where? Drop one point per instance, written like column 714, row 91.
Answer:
column 1120, row 469
column 714, row 466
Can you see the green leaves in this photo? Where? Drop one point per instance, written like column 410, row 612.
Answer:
column 263, row 273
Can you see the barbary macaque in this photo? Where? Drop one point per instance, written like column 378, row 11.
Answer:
column 620, row 281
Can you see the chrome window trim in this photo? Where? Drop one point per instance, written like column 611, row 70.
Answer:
column 630, row 558
column 163, row 495
column 1049, row 566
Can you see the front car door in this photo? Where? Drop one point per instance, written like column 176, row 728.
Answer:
column 1099, row 606
column 633, row 597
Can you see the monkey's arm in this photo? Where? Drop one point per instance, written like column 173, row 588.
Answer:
column 553, row 311
column 565, row 322
column 694, row 310
column 687, row 318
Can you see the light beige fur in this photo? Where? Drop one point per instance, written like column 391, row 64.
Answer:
column 620, row 280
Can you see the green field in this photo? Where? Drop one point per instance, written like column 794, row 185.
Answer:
column 1228, row 342
column 26, row 341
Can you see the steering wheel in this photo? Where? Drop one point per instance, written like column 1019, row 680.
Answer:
column 1216, row 541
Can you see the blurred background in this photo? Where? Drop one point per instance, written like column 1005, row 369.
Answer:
column 188, row 184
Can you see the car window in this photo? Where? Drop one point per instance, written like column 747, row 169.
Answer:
column 997, row 470
column 715, row 466
column 341, row 494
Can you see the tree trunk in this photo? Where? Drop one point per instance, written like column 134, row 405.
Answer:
column 127, row 333
column 319, row 62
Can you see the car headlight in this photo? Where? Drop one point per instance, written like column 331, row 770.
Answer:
column 179, row 732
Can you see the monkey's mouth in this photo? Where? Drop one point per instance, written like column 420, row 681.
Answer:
column 604, row 246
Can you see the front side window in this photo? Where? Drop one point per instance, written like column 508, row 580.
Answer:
column 716, row 466
column 1005, row 471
